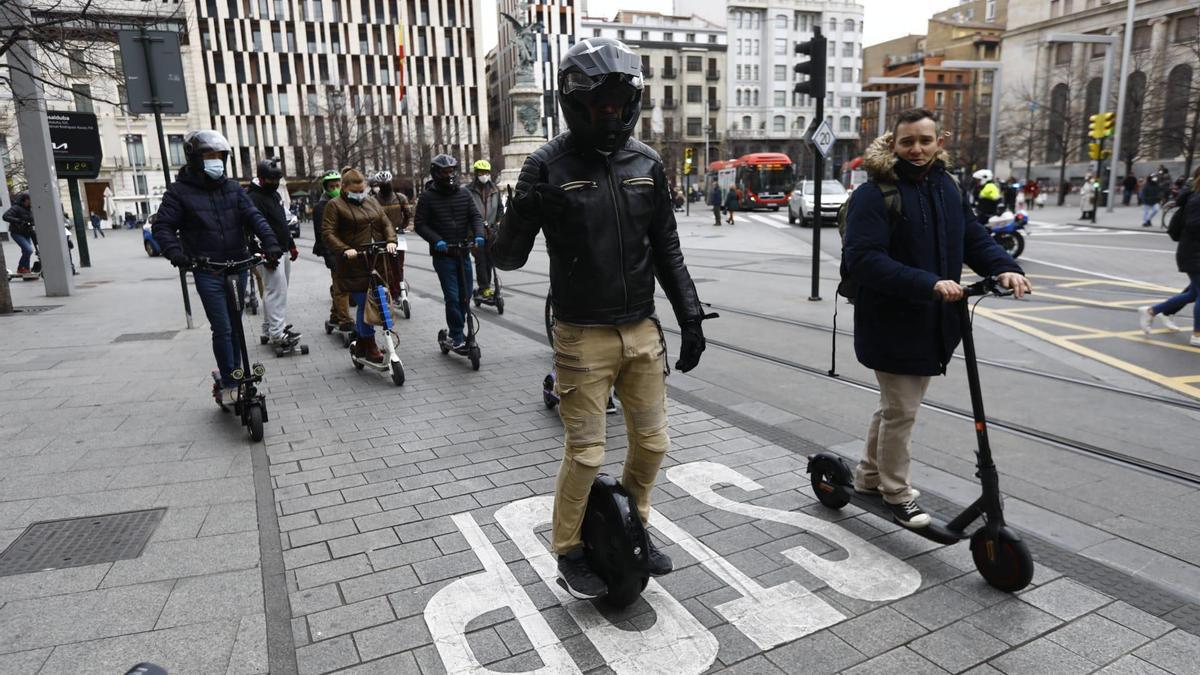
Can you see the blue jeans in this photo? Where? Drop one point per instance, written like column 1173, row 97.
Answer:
column 363, row 328
column 1177, row 302
column 1149, row 211
column 26, row 249
column 456, row 309
column 211, row 288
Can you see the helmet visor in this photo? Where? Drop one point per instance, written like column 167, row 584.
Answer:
column 579, row 82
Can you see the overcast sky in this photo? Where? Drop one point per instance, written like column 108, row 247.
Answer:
column 886, row 19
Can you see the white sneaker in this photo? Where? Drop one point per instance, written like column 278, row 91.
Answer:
column 1146, row 318
column 1194, row 340
column 229, row 395
column 1170, row 323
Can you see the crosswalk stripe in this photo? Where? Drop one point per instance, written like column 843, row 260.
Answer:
column 767, row 221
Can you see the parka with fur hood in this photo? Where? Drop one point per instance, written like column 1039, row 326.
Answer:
column 899, row 325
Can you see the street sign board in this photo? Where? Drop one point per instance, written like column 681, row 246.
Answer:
column 166, row 67
column 75, row 140
column 822, row 138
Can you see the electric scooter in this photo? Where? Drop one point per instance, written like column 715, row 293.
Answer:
column 615, row 542
column 378, row 292
column 397, row 282
column 469, row 349
column 250, row 405
column 1001, row 557
column 495, row 299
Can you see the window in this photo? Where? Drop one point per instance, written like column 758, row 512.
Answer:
column 844, row 123
column 987, row 76
column 739, row 46
column 175, row 150
column 1141, row 38
column 668, row 37
column 1187, row 28
column 756, row 46
column 832, row 49
column 848, row 26
column 621, row 34
column 595, row 32
column 781, row 45
column 830, row 74
column 140, row 187
column 135, row 150
column 122, row 98
column 847, row 49
column 780, row 99
column 845, row 101
column 694, row 64
column 1062, row 53
column 739, row 97
column 747, row 122
column 781, row 73
column 83, row 97
column 690, row 37
column 694, row 126
column 712, row 39
column 833, row 25
column 645, row 36
column 799, row 123
column 985, row 99
column 781, row 21
column 756, row 96
column 78, row 63
column 990, row 11
column 739, row 71
column 939, row 98
column 693, row 93
column 779, row 123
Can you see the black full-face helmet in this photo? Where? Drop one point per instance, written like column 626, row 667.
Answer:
column 600, row 92
column 443, row 169
column 197, row 143
column 268, row 170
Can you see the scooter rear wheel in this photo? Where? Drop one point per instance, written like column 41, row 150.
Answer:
column 499, row 305
column 442, row 341
column 823, row 475
column 1003, row 561
column 254, row 422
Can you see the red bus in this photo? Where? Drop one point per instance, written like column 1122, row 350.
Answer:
column 762, row 179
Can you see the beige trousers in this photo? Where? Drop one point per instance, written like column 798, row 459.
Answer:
column 887, row 455
column 589, row 362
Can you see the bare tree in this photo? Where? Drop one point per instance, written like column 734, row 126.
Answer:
column 1171, row 116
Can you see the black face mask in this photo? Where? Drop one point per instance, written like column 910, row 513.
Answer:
column 913, row 172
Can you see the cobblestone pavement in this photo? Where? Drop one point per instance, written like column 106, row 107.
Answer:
column 403, row 530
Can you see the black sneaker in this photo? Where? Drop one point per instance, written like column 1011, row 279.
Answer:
column 660, row 563
column 578, row 577
column 909, row 514
column 292, row 334
column 611, row 408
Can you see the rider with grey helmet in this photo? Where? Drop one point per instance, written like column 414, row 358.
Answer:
column 602, row 200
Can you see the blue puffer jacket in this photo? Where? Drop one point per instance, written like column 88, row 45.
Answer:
column 206, row 218
column 898, row 325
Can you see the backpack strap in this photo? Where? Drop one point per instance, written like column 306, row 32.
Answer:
column 891, row 201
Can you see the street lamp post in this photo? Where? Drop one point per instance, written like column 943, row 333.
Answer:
column 996, row 91
column 1116, row 151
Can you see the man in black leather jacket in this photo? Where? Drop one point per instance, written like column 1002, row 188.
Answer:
column 603, row 203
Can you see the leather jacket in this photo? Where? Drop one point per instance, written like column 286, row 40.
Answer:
column 617, row 234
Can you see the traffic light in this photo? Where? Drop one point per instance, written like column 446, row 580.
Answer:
column 814, row 68
column 1108, row 123
column 1096, row 127
column 687, row 160
column 1094, row 150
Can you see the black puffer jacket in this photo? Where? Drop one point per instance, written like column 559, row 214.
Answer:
column 451, row 217
column 19, row 219
column 617, row 234
column 209, row 218
column 270, row 204
column 1187, row 255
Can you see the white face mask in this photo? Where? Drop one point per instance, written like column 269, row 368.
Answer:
column 215, row 168
column 485, row 179
column 356, row 196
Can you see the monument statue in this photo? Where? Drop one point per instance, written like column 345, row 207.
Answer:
column 525, row 43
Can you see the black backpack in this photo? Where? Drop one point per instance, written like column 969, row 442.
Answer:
column 847, row 286
column 1175, row 226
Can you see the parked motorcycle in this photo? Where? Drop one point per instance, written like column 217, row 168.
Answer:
column 1007, row 232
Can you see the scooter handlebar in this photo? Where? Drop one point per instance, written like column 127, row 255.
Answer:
column 228, row 266
column 373, row 247
column 985, row 286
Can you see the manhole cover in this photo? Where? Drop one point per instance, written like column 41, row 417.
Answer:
column 75, row 542
column 31, row 309
column 146, row 337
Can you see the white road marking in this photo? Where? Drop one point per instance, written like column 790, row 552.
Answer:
column 677, row 643
column 1114, row 248
column 767, row 221
column 1093, row 273
column 455, row 605
column 866, row 573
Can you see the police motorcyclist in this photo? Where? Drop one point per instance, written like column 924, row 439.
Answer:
column 339, row 307
column 987, row 195
column 603, row 202
column 446, row 215
column 204, row 214
column 264, row 193
column 487, row 199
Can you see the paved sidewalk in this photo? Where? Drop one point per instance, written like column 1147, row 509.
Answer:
column 402, row 530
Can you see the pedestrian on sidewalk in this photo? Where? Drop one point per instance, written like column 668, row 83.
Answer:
column 204, row 214
column 446, row 214
column 714, row 200
column 907, row 266
column 350, row 221
column 1032, row 192
column 1187, row 258
column 339, row 305
column 1151, row 195
column 264, row 193
column 97, row 228
column 1128, row 187
column 608, row 239
column 731, row 203
column 487, row 200
column 19, row 217
column 1087, row 197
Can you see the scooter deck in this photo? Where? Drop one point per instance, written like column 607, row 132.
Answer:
column 935, row 531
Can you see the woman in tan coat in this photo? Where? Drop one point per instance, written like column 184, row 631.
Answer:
column 350, row 221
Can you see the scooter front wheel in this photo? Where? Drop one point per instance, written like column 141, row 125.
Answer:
column 254, row 422
column 397, row 373
column 1003, row 560
column 499, row 305
column 475, row 355
column 442, row 341
column 827, row 478
column 405, row 309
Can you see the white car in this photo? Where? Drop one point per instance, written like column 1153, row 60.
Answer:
column 800, row 206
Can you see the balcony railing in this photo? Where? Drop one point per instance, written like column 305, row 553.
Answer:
column 712, row 75
column 714, row 104
column 670, row 73
column 648, row 102
column 670, row 104
column 647, row 72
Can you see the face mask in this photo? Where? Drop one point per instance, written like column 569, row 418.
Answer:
column 334, row 193
column 907, row 169
column 356, row 196
column 215, row 168
column 485, row 179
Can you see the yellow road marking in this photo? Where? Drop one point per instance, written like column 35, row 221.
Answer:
column 1038, row 308
column 1084, row 301
column 1187, row 378
column 1144, row 373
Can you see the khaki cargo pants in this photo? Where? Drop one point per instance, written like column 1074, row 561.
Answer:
column 589, row 362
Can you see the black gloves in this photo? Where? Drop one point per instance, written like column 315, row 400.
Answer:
column 179, row 259
column 545, row 201
column 692, row 343
column 273, row 255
